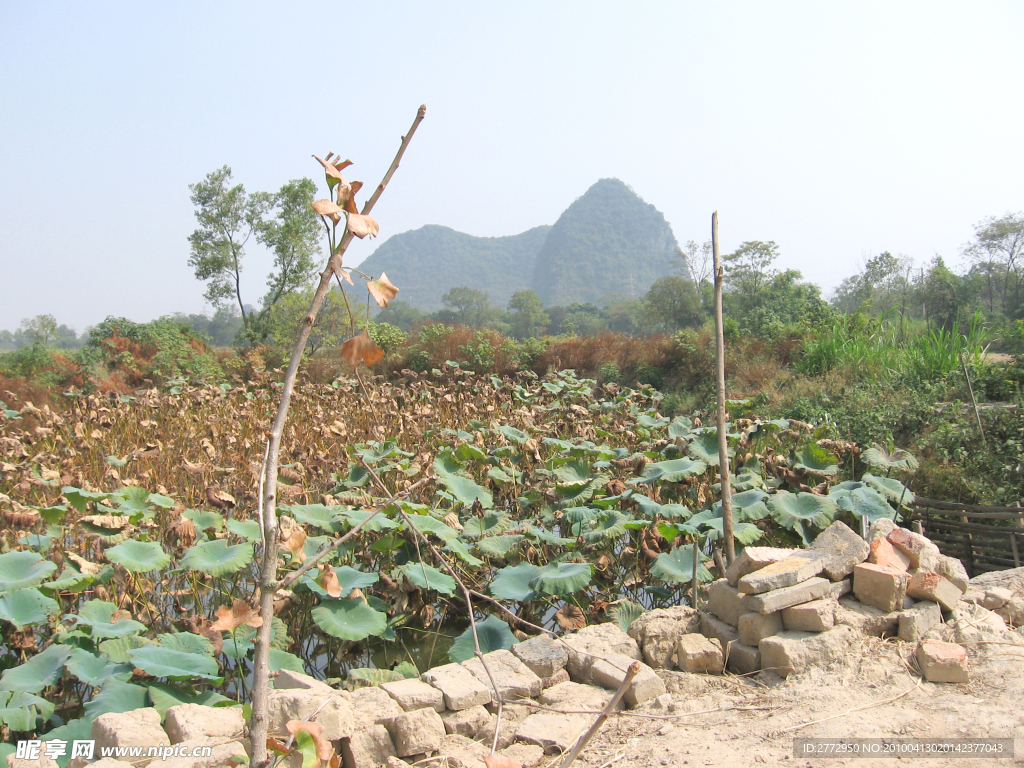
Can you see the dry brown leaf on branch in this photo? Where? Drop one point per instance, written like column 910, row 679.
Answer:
column 494, row 760
column 570, row 618
column 328, row 208
column 219, row 499
column 361, row 225
column 324, row 748
column 229, row 619
column 333, row 168
column 362, row 349
column 343, row 274
column 382, row 290
column 328, row 581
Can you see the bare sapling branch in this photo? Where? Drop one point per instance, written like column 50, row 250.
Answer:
column 723, row 443
column 356, row 224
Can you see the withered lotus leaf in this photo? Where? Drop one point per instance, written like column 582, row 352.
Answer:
column 240, row 612
column 361, row 349
column 382, row 290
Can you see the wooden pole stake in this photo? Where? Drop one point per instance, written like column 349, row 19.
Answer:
column 723, row 443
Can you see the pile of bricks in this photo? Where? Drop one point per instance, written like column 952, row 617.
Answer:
column 788, row 609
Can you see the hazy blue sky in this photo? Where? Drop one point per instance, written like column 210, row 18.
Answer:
column 837, row 130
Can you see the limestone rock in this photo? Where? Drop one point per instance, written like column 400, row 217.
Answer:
column 611, row 671
column 917, row 620
column 466, row 722
column 788, row 572
column 790, row 652
column 512, row 715
column 575, row 696
column 561, row 676
column 843, row 549
column 867, row 619
column 42, row 761
column 942, row 662
column 743, row 659
column 928, row 585
column 880, row 586
column 416, row 731
column 597, row 640
column 755, row 627
column 885, row 554
column 463, row 752
column 542, row 655
column 726, row 602
column 716, row 629
column 368, row 747
column 658, row 632
column 513, row 678
column 552, row 732
column 953, row 570
column 221, row 754
column 373, row 706
column 194, row 721
column 415, row 694
column 459, row 686
column 754, row 559
column 696, row 653
column 881, row 528
column 289, row 679
column 815, row 616
column 922, row 552
column 786, row 597
column 137, row 728
column 334, row 712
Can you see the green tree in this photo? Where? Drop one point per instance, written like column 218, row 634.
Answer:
column 41, row 329
column 400, row 314
column 672, row 304
column 941, row 296
column 527, row 317
column 332, row 324
column 469, row 305
column 997, row 254
column 884, row 285
column 749, row 268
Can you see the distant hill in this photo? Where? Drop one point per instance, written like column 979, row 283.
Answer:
column 607, row 241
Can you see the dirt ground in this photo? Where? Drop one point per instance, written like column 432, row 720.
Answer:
column 874, row 693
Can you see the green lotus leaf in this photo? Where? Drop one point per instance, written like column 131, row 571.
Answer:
column 672, row 471
column 204, row 519
column 41, row 670
column 498, row 546
column 445, row 464
column 139, row 556
column 846, row 485
column 469, row 452
column 367, row 676
column 606, row 527
column 562, row 579
column 547, row 537
column 27, row 606
column 864, row 502
column 245, row 529
column 21, row 568
column 217, row 558
column 513, row 582
column 117, row 649
column 21, row 711
column 786, row 507
column 491, row 524
column 676, row 566
column 281, row 660
column 467, row 491
column 649, row 421
column 320, row 516
column 459, row 548
column 116, row 696
column 492, row 633
column 581, row 494
column 379, row 521
column 704, row 447
column 96, row 670
column 167, row 695
column 78, row 498
column 349, row 578
column 239, row 644
column 349, row 619
column 573, row 474
column 69, row 580
column 879, row 458
column 891, row 488
column 187, row 642
column 96, row 614
column 680, row 427
column 174, row 665
column 133, row 500
column 744, row 533
column 815, row 460
column 625, row 612
column 426, row 524
column 427, row 577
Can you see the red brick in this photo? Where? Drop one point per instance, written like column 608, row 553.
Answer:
column 884, row 553
column 879, row 586
column 925, row 585
column 942, row 662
